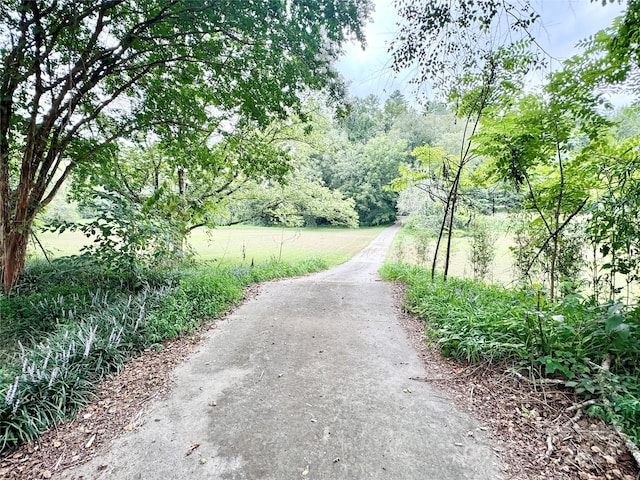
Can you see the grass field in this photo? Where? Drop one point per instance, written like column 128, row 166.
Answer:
column 246, row 244
column 501, row 272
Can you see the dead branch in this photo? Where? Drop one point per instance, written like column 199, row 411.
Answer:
column 582, row 406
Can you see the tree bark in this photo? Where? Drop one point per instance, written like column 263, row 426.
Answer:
column 14, row 253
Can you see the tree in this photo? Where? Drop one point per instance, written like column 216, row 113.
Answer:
column 394, row 107
column 364, row 119
column 298, row 202
column 77, row 75
column 361, row 173
column 444, row 40
column 614, row 220
column 533, row 145
column 611, row 56
column 426, row 129
column 176, row 189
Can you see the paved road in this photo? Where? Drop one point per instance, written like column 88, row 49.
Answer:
column 310, row 381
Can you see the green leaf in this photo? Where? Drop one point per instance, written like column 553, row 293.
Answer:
column 614, row 323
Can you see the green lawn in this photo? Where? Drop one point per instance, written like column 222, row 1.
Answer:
column 501, row 272
column 246, row 244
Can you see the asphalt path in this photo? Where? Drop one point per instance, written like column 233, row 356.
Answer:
column 309, row 380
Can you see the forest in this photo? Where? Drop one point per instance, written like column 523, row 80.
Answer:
column 140, row 123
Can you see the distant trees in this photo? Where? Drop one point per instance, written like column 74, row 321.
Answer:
column 364, row 151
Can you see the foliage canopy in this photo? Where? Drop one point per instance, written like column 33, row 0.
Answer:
column 78, row 75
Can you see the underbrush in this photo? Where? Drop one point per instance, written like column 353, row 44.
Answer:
column 65, row 329
column 595, row 349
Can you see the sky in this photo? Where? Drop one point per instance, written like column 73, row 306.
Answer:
column 564, row 23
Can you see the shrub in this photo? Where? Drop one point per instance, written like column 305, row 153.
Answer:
column 52, row 380
column 482, row 251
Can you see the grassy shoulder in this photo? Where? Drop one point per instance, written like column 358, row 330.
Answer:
column 68, row 325
column 593, row 349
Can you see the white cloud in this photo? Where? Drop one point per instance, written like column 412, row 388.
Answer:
column 369, row 71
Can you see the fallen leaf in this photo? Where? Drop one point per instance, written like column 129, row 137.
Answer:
column 57, row 443
column 192, row 448
column 128, row 427
column 47, row 474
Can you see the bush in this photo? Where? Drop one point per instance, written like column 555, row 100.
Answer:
column 482, row 251
column 52, row 295
column 201, row 295
column 54, row 379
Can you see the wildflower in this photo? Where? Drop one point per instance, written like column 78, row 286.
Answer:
column 89, row 341
column 54, row 375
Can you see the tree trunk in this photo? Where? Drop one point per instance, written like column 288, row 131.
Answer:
column 454, row 200
column 552, row 269
column 443, row 226
column 14, row 252
column 440, row 235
